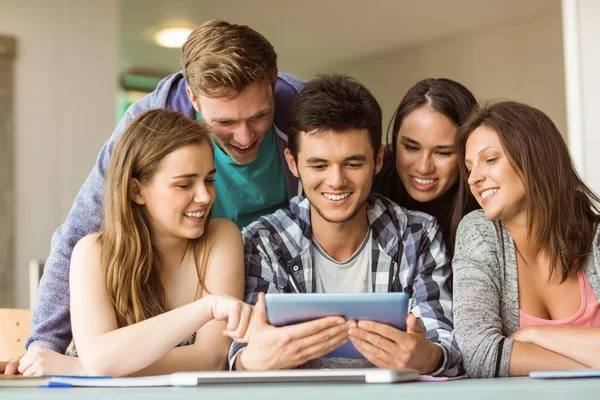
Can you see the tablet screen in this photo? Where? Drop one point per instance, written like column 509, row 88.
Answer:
column 291, row 308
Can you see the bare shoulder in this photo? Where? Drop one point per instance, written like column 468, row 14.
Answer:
column 224, row 271
column 225, row 243
column 87, row 251
column 223, row 230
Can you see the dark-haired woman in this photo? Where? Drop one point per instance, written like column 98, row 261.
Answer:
column 421, row 169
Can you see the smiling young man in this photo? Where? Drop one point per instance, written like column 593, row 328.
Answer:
column 230, row 82
column 340, row 238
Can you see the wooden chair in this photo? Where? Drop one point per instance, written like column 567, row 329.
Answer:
column 15, row 327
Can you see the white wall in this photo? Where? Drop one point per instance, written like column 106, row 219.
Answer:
column 65, row 93
column 519, row 60
column 582, row 58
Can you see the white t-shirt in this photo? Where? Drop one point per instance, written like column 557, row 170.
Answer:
column 350, row 276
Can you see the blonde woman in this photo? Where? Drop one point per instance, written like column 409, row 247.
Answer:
column 157, row 289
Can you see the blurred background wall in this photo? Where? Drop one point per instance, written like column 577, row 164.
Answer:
column 81, row 62
column 65, row 84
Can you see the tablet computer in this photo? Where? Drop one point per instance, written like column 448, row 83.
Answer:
column 369, row 375
column 292, row 308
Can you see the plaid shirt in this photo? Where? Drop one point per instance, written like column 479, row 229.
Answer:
column 408, row 255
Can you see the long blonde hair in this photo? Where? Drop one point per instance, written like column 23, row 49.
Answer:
column 130, row 261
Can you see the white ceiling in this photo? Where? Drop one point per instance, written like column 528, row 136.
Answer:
column 313, row 34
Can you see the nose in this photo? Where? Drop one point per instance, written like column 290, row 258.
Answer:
column 475, row 176
column 243, row 134
column 202, row 195
column 424, row 165
column 336, row 178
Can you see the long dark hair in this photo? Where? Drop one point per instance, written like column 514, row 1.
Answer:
column 456, row 102
column 563, row 212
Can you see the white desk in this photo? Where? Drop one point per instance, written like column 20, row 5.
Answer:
column 501, row 389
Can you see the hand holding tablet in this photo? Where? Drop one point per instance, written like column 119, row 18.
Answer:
column 294, row 308
column 274, row 348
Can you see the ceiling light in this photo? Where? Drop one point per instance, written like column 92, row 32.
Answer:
column 172, row 37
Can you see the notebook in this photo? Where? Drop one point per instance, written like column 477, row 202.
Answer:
column 371, row 375
column 83, row 381
column 580, row 373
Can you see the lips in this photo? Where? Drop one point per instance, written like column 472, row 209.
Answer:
column 423, row 183
column 487, row 194
column 242, row 151
column 336, row 197
column 197, row 214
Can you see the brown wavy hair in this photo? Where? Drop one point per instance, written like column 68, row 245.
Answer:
column 130, row 261
column 563, row 212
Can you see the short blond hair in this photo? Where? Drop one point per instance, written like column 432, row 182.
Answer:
column 220, row 59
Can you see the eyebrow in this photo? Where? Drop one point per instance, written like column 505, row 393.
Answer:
column 484, row 149
column 479, row 152
column 438, row 147
column 409, row 140
column 354, row 157
column 189, row 176
column 256, row 114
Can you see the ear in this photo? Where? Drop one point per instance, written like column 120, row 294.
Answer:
column 192, row 98
column 379, row 159
column 136, row 192
column 291, row 162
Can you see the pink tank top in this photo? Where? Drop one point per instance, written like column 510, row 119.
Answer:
column 587, row 316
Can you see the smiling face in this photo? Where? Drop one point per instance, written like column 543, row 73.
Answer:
column 425, row 154
column 179, row 196
column 239, row 125
column 336, row 170
column 496, row 185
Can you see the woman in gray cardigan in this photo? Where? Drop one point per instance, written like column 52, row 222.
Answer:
column 526, row 266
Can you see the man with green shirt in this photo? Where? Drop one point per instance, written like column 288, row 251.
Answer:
column 250, row 185
column 230, row 81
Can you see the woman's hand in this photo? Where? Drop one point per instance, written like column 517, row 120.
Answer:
column 41, row 361
column 237, row 313
column 10, row 367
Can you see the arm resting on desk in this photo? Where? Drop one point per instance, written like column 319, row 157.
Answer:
column 577, row 343
column 527, row 357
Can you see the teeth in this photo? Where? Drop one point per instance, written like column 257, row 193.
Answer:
column 336, row 197
column 194, row 214
column 423, row 181
column 488, row 193
column 244, row 147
